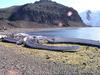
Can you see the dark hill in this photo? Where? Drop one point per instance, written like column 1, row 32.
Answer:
column 43, row 12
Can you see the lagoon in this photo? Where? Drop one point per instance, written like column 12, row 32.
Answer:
column 91, row 33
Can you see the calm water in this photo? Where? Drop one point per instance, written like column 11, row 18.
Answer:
column 83, row 33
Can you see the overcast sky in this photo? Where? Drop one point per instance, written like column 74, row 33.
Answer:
column 79, row 5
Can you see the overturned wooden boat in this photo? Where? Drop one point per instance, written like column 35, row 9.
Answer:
column 32, row 44
column 10, row 40
column 75, row 41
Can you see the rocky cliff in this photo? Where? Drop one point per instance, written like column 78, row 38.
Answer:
column 43, row 12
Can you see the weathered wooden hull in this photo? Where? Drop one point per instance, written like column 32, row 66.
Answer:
column 75, row 41
column 10, row 40
column 31, row 44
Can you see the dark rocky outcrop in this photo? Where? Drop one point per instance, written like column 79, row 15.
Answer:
column 44, row 12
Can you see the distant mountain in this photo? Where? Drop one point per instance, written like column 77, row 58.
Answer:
column 94, row 18
column 43, row 12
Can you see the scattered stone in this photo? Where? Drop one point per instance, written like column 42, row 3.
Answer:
column 47, row 57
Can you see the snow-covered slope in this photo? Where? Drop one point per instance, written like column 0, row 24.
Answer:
column 94, row 18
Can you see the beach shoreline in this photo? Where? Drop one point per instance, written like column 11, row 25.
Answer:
column 43, row 62
column 17, row 30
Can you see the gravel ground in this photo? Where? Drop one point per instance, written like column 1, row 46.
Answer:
column 14, row 63
column 28, row 65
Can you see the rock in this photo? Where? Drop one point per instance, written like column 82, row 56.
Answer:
column 2, row 36
column 43, row 12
